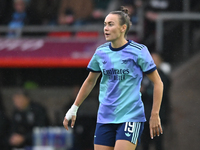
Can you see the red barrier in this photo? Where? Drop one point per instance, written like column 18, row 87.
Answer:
column 45, row 53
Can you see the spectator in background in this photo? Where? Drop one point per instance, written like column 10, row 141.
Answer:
column 133, row 6
column 5, row 11
column 43, row 11
column 19, row 18
column 2, row 9
column 26, row 116
column 23, row 14
column 4, row 127
column 154, row 7
column 147, row 97
column 100, row 10
column 74, row 12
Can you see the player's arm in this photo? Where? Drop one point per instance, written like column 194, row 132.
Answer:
column 155, row 123
column 84, row 91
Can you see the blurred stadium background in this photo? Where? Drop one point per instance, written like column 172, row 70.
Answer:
column 49, row 57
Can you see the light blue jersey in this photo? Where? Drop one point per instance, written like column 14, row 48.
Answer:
column 122, row 71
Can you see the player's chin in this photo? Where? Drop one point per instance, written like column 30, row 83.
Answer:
column 108, row 39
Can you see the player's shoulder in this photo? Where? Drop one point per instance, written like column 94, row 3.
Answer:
column 136, row 45
column 102, row 46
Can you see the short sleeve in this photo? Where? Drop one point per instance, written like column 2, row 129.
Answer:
column 93, row 65
column 145, row 61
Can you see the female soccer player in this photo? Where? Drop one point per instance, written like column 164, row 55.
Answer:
column 122, row 63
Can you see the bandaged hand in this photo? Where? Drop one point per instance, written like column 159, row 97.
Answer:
column 70, row 115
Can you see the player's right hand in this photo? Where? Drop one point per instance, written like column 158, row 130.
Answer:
column 70, row 115
column 65, row 122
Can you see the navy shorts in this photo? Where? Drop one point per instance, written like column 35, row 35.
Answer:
column 108, row 134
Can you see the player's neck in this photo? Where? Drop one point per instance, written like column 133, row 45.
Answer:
column 118, row 43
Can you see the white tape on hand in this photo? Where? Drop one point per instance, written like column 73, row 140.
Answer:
column 71, row 112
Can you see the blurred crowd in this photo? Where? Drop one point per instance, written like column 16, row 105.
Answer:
column 56, row 12
column 18, row 128
column 75, row 12
column 17, row 13
column 17, row 131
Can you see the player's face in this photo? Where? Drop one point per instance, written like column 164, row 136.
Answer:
column 112, row 28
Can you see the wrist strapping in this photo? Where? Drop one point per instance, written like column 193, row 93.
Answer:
column 71, row 112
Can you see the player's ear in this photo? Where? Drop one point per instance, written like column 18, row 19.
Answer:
column 123, row 28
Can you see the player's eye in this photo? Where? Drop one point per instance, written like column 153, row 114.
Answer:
column 110, row 24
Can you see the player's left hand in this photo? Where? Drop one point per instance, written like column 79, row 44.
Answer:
column 155, row 126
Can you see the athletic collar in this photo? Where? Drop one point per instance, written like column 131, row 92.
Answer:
column 120, row 48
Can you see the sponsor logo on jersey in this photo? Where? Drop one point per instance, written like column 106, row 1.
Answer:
column 115, row 71
column 116, row 74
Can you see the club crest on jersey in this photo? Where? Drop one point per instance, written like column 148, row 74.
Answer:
column 104, row 62
column 126, row 61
